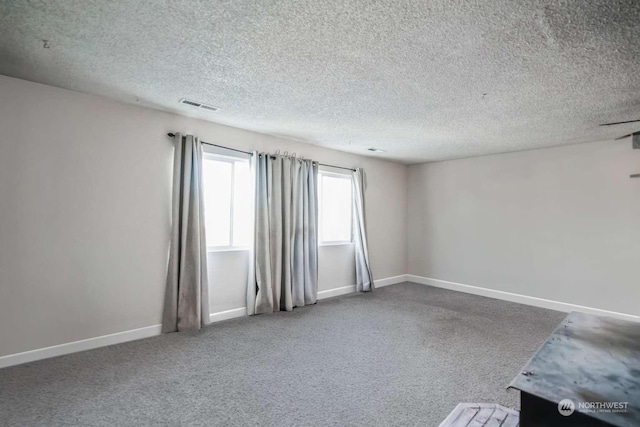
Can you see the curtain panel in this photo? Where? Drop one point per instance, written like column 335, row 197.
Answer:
column 364, row 278
column 186, row 304
column 284, row 273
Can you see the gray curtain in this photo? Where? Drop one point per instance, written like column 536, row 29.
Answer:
column 285, row 268
column 186, row 304
column 364, row 278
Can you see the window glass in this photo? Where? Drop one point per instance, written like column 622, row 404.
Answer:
column 227, row 201
column 242, row 205
column 335, row 208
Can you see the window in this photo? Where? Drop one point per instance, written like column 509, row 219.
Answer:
column 335, row 208
column 227, row 201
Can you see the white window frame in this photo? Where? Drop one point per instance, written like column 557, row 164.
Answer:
column 341, row 175
column 211, row 153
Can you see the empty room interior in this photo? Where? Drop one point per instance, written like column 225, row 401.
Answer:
column 306, row 213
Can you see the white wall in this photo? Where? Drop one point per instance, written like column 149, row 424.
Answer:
column 228, row 274
column 561, row 224
column 85, row 211
column 85, row 202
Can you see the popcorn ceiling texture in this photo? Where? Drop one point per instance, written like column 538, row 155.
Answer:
column 424, row 80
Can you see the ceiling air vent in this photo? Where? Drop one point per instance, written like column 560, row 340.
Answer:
column 209, row 107
column 198, row 104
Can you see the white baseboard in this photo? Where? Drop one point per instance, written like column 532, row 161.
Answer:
column 227, row 314
column 82, row 345
column 336, row 292
column 390, row 281
column 150, row 331
column 522, row 299
column 379, row 283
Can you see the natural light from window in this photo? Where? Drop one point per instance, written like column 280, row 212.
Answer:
column 227, row 202
column 334, row 208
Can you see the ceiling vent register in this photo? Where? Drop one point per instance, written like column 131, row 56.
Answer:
column 197, row 104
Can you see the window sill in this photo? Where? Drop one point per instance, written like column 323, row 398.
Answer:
column 335, row 244
column 227, row 249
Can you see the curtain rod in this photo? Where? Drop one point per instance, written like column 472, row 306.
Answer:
column 251, row 154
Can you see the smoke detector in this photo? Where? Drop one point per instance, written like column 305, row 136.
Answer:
column 197, row 104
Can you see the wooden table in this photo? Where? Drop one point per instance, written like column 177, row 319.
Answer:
column 589, row 360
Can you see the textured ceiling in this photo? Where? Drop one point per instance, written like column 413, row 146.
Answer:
column 424, row 80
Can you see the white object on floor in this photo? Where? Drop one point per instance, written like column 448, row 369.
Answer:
column 482, row 414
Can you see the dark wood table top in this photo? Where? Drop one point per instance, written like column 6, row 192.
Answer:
column 588, row 358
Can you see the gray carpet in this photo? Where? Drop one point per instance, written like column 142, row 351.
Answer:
column 402, row 355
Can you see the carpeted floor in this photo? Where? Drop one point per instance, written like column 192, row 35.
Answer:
column 402, row 355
